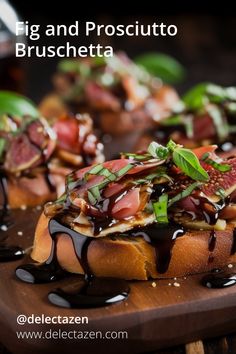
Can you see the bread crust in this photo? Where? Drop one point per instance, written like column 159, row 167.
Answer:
column 28, row 192
column 134, row 258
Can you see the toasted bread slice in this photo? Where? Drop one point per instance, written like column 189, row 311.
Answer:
column 134, row 258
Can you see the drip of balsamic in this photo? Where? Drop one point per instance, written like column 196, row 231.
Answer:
column 10, row 253
column 209, row 210
column 51, row 270
column 218, row 280
column 7, row 253
column 4, row 201
column 162, row 237
column 94, row 292
column 212, row 245
column 158, row 190
column 44, row 272
column 212, row 241
column 100, row 223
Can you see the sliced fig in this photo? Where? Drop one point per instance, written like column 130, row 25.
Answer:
column 37, row 133
column 22, row 154
column 217, row 180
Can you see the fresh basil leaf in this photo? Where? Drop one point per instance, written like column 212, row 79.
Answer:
column 95, row 169
column 94, row 194
column 61, row 199
column 188, row 122
column 163, row 66
column 91, row 198
column 160, row 209
column 217, row 166
column 188, row 162
column 173, row 120
column 16, row 105
column 220, row 94
column 158, row 151
column 185, row 193
column 74, row 66
column 99, row 61
column 218, row 119
column 124, row 170
column 221, row 193
column 196, row 98
column 137, row 157
column 230, row 107
column 2, row 146
column 171, row 145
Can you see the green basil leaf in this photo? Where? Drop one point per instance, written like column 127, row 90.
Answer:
column 217, row 166
column 185, row 193
column 196, row 98
column 94, row 194
column 188, row 162
column 61, row 199
column 230, row 107
column 220, row 124
column 220, row 94
column 157, row 150
column 2, row 146
column 173, row 120
column 160, row 209
column 74, row 66
column 188, row 122
column 137, row 157
column 16, row 105
column 124, row 170
column 221, row 193
column 163, row 66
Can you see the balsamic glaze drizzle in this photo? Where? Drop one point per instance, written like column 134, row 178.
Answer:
column 7, row 253
column 218, row 279
column 162, row 237
column 211, row 245
column 95, row 292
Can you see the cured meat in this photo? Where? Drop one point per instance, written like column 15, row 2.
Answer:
column 100, row 98
column 67, row 131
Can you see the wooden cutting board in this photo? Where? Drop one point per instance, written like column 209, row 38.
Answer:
column 154, row 317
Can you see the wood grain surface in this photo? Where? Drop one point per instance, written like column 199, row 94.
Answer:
column 154, row 317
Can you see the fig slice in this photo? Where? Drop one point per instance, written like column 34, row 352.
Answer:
column 21, row 154
column 37, row 134
column 220, row 180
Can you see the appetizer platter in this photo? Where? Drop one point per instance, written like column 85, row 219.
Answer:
column 139, row 236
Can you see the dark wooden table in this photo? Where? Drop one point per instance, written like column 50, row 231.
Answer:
column 219, row 345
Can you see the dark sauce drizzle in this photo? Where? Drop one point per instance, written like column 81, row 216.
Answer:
column 7, row 253
column 91, row 294
column 212, row 245
column 162, row 237
column 218, row 279
column 94, row 292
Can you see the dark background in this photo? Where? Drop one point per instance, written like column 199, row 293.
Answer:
column 205, row 43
